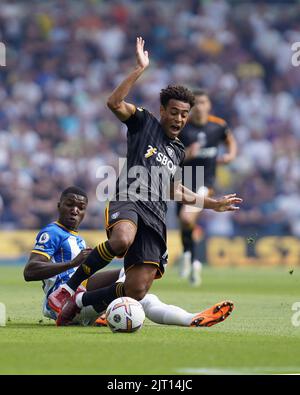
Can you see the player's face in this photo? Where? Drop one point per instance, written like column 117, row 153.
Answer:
column 72, row 210
column 201, row 108
column 173, row 117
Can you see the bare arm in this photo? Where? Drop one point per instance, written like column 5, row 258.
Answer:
column 186, row 196
column 116, row 102
column 231, row 153
column 39, row 267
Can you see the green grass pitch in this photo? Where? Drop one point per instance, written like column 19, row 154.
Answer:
column 257, row 338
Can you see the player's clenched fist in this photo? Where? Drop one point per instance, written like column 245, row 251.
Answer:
column 81, row 257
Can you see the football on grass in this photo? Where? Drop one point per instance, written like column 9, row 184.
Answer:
column 125, row 315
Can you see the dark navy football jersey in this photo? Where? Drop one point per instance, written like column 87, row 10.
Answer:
column 153, row 159
column 209, row 136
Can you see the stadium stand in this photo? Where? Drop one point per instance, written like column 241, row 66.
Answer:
column 64, row 58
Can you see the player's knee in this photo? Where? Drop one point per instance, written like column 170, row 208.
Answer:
column 149, row 300
column 122, row 237
column 136, row 292
column 121, row 243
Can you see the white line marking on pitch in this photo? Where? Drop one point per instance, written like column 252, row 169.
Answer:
column 242, row 371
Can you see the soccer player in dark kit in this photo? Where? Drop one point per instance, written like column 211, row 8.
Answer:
column 202, row 136
column 59, row 250
column 136, row 226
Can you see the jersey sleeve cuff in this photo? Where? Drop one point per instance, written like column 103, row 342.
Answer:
column 131, row 116
column 41, row 253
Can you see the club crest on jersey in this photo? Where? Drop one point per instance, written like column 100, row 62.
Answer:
column 115, row 215
column 170, row 152
column 43, row 238
column 151, row 151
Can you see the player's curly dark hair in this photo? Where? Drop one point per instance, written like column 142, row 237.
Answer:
column 177, row 92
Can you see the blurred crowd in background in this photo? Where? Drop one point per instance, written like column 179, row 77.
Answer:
column 65, row 57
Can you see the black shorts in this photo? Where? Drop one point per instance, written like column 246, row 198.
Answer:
column 149, row 246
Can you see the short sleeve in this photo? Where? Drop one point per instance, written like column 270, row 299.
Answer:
column 137, row 120
column 47, row 243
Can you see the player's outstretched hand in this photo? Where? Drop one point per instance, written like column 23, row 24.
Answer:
column 142, row 57
column 228, row 203
column 81, row 257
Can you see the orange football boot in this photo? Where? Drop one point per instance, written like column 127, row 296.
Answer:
column 215, row 314
column 101, row 321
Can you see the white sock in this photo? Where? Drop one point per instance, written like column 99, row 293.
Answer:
column 78, row 300
column 166, row 314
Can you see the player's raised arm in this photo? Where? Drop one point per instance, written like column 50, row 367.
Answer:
column 186, row 196
column 116, row 102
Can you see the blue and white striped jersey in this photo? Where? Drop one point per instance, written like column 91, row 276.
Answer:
column 59, row 244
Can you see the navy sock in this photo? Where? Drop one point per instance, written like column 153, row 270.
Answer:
column 100, row 257
column 188, row 241
column 101, row 298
